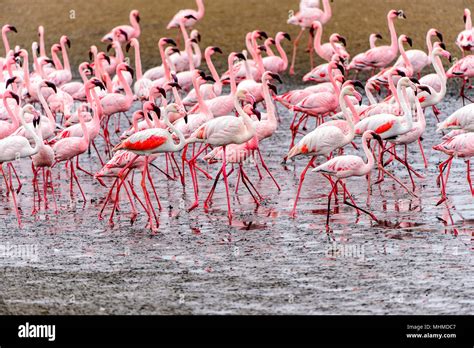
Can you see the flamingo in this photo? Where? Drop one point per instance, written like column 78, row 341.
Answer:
column 6, row 29
column 373, row 39
column 304, row 19
column 15, row 147
column 381, row 56
column 143, row 84
column 222, row 131
column 75, row 88
column 277, row 64
column 335, row 45
column 60, row 77
column 146, row 143
column 343, row 167
column 184, row 14
column 463, row 68
column 7, row 128
column 128, row 32
column 322, row 141
column 160, row 71
column 465, row 39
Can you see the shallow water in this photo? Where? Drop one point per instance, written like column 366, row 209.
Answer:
column 265, row 262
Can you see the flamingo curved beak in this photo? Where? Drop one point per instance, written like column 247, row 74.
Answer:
column 287, row 36
column 52, row 86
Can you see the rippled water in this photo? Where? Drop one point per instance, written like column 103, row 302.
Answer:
column 266, row 262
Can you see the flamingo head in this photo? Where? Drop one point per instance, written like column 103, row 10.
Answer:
column 467, row 13
column 283, row 35
column 95, row 82
column 103, row 56
column 373, row 135
column 49, row 84
column 11, row 80
column 215, row 49
column 397, row 14
column 10, row 94
column 435, row 32
column 124, row 67
column 406, row 39
column 135, row 14
column 174, row 85
column 166, row 41
column 379, row 36
column 439, row 50
column 195, row 35
column 149, row 107
column 7, row 27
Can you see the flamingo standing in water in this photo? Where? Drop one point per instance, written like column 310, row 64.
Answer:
column 465, row 39
column 304, row 19
column 381, row 56
column 222, row 131
column 15, row 147
column 128, row 31
column 146, row 143
column 343, row 167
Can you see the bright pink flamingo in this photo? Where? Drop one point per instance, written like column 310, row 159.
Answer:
column 60, row 77
column 335, row 45
column 459, row 146
column 160, row 71
column 320, row 74
column 463, row 68
column 13, row 148
column 465, row 39
column 75, row 88
column 222, row 131
column 418, row 58
column 381, row 56
column 128, row 31
column 304, row 19
column 7, row 128
column 190, row 16
column 142, row 84
column 343, row 167
column 146, row 143
column 273, row 63
column 6, row 29
column 462, row 118
column 180, row 60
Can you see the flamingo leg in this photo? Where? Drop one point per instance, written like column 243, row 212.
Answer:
column 409, row 172
column 303, row 173
column 147, row 198
column 295, row 46
column 211, row 192
column 422, row 153
column 132, row 204
column 257, row 167
column 154, row 190
column 468, row 170
column 50, row 175
column 333, row 188
column 264, row 165
column 77, row 182
column 246, row 185
column 238, row 181
column 78, row 166
column 98, row 153
column 9, row 185
column 192, row 166
column 224, row 175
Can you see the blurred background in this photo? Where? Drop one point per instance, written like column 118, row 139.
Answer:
column 225, row 23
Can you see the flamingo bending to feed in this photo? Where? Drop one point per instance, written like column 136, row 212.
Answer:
column 146, row 143
column 128, row 31
column 343, row 167
column 15, row 147
column 381, row 56
column 304, row 19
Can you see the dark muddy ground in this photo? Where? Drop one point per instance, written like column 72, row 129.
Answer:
column 264, row 263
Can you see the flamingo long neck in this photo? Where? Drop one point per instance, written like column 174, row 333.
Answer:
column 56, row 61
column 468, row 20
column 370, row 96
column 118, row 52
column 15, row 123
column 337, row 90
column 368, row 153
column 248, row 44
column 268, row 48
column 85, row 132
column 166, row 67
column 405, row 106
column 420, row 115
column 372, row 40
column 41, row 37
column 344, row 101
column 67, row 66
column 182, row 140
column 202, row 104
column 217, row 87
column 98, row 110
column 438, row 66
column 200, row 6
column 138, row 61
column 250, row 129
column 36, row 65
column 393, row 89
column 248, row 74
column 82, row 73
column 282, row 52
column 407, row 61
column 393, row 35
column 38, row 138
column 327, row 11
column 26, row 72
column 429, row 44
column 135, row 24
column 258, row 57
column 189, row 53
column 177, row 98
column 317, row 41
column 6, row 44
column 45, row 105
column 1, row 69
column 269, row 103
column 104, row 76
column 233, row 84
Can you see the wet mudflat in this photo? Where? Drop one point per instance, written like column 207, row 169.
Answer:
column 416, row 262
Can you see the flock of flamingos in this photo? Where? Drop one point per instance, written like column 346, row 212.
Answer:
column 187, row 118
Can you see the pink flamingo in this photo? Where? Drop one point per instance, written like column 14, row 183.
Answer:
column 128, row 31
column 75, row 88
column 180, row 60
column 13, row 148
column 462, row 118
column 60, row 77
column 6, row 29
column 465, row 39
column 463, row 68
column 142, row 84
column 418, row 58
column 381, row 56
column 335, row 45
column 343, row 167
column 323, row 140
column 277, row 64
column 160, row 71
column 459, row 146
column 222, row 131
column 190, row 16
column 304, row 19
column 7, row 128
column 146, row 143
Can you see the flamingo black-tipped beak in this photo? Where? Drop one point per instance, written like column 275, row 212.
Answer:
column 342, row 39
column 12, row 28
column 262, row 48
column 91, row 56
column 439, row 35
column 341, row 68
column 127, row 47
column 124, row 33
column 186, row 118
column 149, row 116
column 68, row 42
column 464, row 19
column 257, row 113
column 240, row 56
column 209, row 78
column 357, row 83
column 287, row 36
column 107, row 58
column 442, row 45
column 174, row 84
column 414, row 80
column 272, row 88
column 450, row 59
column 109, row 46
column 99, row 84
column 16, row 54
column 378, row 36
column 170, row 41
column 50, row 61
column 130, row 70
column 162, row 92
column 262, row 34
column 378, row 138
column 425, row 88
column 311, row 31
column 52, row 86
column 16, row 97
column 157, row 110
column 401, row 73
column 276, row 77
column 10, row 81
column 272, row 41
column 401, row 14
column 217, row 49
column 175, row 50
column 410, row 42
column 137, row 17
